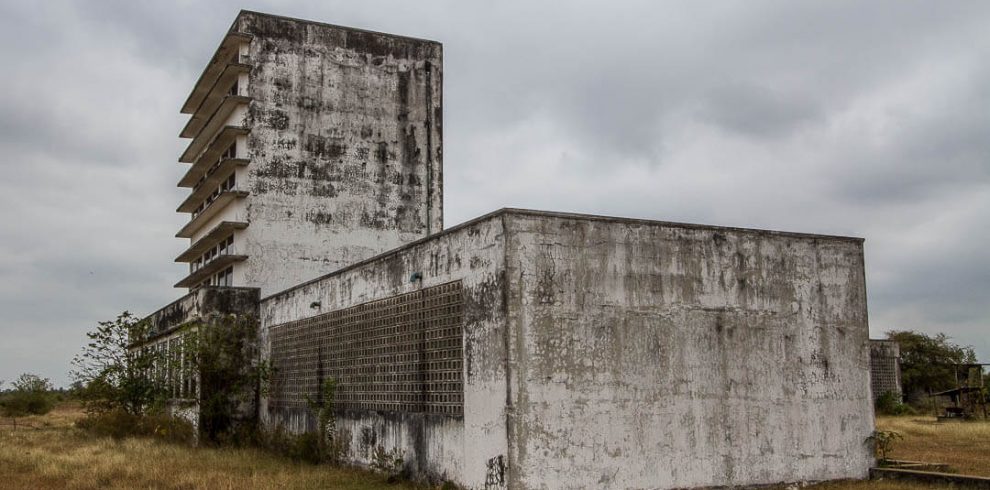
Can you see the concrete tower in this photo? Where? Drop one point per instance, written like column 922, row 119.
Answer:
column 312, row 146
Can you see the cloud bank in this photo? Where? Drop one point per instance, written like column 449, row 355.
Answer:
column 829, row 117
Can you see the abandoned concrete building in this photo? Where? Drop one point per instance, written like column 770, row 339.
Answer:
column 522, row 349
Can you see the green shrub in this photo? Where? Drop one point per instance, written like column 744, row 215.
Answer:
column 883, row 443
column 307, row 447
column 889, row 403
column 120, row 424
column 389, row 462
column 31, row 395
column 22, row 403
column 328, row 444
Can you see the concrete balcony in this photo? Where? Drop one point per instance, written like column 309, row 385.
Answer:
column 211, row 155
column 216, row 264
column 222, row 167
column 214, row 208
column 227, row 53
column 230, row 113
column 208, row 185
column 217, row 95
column 214, row 236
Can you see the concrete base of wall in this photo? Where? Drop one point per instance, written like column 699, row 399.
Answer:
column 930, row 477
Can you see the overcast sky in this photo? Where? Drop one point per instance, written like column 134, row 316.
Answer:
column 857, row 118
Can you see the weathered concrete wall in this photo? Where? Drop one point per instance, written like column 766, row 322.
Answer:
column 345, row 147
column 885, row 368
column 653, row 355
column 202, row 303
column 436, row 446
column 626, row 354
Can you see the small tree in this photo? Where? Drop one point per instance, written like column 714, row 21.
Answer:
column 30, row 396
column 883, row 443
column 114, row 372
column 928, row 362
column 119, row 370
column 330, row 445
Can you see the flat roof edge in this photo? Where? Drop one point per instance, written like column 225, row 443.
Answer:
column 675, row 224
column 552, row 214
column 336, row 26
column 231, row 33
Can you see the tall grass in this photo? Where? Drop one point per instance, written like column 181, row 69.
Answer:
column 54, row 454
column 49, row 452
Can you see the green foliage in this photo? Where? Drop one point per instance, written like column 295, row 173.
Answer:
column 120, row 424
column 113, row 376
column 331, row 446
column 225, row 353
column 927, row 362
column 308, row 447
column 389, row 462
column 327, row 417
column 889, row 403
column 883, row 443
column 30, row 395
column 32, row 383
column 115, row 373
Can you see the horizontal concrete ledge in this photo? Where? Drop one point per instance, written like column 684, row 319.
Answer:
column 915, row 465
column 218, row 204
column 768, row 486
column 212, row 182
column 212, row 267
column 217, row 94
column 930, row 477
column 213, row 69
column 211, row 238
column 192, row 176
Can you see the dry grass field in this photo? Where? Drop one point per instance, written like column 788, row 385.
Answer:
column 52, row 454
column 48, row 452
column 964, row 446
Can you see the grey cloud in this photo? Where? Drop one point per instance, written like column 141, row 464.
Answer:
column 834, row 117
column 758, row 111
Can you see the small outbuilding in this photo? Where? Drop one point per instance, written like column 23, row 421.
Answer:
column 529, row 349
